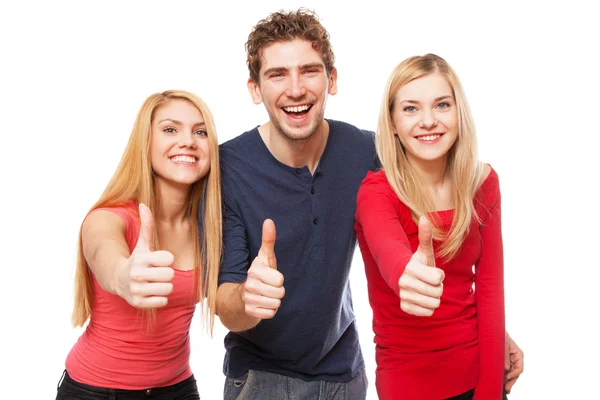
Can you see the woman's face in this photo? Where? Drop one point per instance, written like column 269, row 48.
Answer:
column 179, row 149
column 425, row 118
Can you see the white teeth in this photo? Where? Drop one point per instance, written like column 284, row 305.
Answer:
column 296, row 109
column 429, row 137
column 184, row 159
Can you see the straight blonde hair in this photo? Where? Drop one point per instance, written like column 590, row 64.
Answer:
column 134, row 179
column 463, row 165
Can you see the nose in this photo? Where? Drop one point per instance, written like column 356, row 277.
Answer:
column 186, row 139
column 428, row 121
column 296, row 86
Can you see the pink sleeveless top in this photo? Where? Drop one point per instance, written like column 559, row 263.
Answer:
column 119, row 348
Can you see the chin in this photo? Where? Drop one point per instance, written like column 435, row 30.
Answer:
column 303, row 133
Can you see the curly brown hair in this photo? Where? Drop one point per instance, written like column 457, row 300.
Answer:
column 286, row 26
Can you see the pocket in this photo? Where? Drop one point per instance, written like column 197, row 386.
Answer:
column 234, row 386
column 244, row 384
column 61, row 380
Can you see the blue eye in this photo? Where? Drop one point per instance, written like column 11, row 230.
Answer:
column 410, row 109
column 444, row 105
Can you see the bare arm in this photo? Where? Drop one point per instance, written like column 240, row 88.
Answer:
column 142, row 277
column 232, row 309
column 241, row 306
column 104, row 247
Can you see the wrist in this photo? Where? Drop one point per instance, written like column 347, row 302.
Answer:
column 121, row 277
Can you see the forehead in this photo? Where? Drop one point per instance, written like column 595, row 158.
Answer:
column 178, row 110
column 426, row 87
column 289, row 54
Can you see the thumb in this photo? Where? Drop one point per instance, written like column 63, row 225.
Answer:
column 146, row 237
column 425, row 242
column 267, row 247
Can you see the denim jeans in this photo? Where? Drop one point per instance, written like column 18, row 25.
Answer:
column 68, row 389
column 259, row 385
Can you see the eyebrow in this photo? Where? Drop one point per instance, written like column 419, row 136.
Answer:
column 435, row 100
column 174, row 121
column 321, row 66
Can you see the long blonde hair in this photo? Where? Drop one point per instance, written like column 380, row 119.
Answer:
column 134, row 179
column 462, row 162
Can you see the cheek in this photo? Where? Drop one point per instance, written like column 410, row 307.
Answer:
column 204, row 147
column 450, row 120
column 404, row 126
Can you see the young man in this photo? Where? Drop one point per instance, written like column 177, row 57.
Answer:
column 289, row 189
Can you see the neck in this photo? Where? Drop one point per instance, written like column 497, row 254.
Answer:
column 432, row 173
column 173, row 202
column 296, row 153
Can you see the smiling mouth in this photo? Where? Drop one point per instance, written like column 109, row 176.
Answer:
column 297, row 111
column 429, row 137
column 184, row 159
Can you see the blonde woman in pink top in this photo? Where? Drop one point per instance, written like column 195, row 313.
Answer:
column 149, row 251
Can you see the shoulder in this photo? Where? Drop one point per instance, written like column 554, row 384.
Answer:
column 375, row 183
column 236, row 154
column 489, row 179
column 123, row 219
column 351, row 132
column 376, row 195
column 488, row 192
column 238, row 142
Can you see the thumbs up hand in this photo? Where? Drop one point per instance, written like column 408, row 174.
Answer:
column 263, row 289
column 421, row 284
column 144, row 279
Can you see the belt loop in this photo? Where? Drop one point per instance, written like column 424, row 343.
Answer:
column 112, row 394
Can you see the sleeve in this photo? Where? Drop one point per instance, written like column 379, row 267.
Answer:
column 382, row 230
column 234, row 267
column 489, row 299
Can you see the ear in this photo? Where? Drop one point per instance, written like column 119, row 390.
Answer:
column 254, row 91
column 333, row 82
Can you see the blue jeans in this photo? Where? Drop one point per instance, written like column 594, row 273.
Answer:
column 259, row 385
column 69, row 389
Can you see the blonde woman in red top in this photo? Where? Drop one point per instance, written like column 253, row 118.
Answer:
column 144, row 264
column 429, row 229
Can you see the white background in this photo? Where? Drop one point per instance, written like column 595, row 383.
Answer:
column 74, row 74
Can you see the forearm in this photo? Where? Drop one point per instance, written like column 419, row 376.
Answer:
column 108, row 262
column 231, row 308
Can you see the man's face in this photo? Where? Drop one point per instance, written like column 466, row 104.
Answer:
column 293, row 86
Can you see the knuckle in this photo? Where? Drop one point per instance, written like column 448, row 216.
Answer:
column 136, row 301
column 404, row 306
column 134, row 288
column 279, row 281
column 250, row 285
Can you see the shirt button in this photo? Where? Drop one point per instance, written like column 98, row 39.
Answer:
column 316, row 221
column 312, row 190
column 298, row 171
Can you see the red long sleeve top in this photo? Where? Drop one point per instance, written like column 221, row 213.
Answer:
column 459, row 347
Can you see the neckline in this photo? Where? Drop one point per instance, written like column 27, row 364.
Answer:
column 264, row 148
